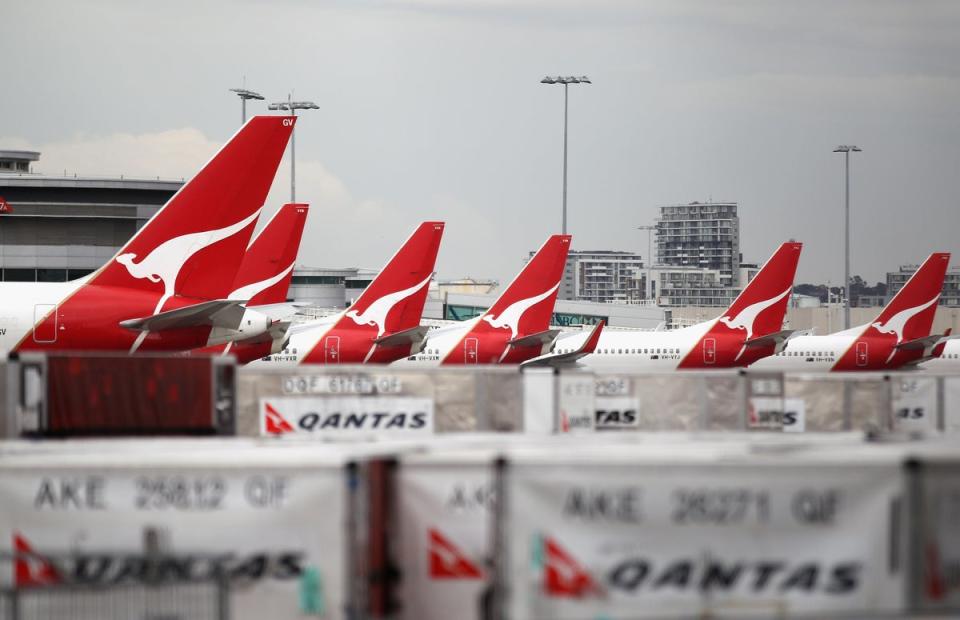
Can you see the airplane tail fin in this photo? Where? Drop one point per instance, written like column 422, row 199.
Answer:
column 399, row 291
column 526, row 305
column 267, row 266
column 194, row 244
column 912, row 309
column 761, row 305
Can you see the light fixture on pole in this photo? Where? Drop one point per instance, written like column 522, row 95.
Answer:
column 846, row 149
column 245, row 94
column 292, row 107
column 649, row 289
column 566, row 81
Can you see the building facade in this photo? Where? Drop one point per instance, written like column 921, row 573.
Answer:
column 603, row 276
column 704, row 235
column 949, row 295
column 64, row 227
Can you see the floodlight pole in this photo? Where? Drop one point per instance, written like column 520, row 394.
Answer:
column 292, row 106
column 566, row 81
column 845, row 149
column 245, row 94
column 566, row 100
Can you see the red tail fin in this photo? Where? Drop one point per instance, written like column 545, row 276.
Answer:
column 909, row 315
column 264, row 275
column 195, row 243
column 527, row 303
column 757, row 311
column 393, row 302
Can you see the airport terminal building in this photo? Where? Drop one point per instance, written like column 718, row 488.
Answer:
column 63, row 227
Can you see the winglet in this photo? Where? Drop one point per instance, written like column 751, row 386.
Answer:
column 557, row 360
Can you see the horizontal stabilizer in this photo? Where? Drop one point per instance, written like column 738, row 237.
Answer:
column 540, row 338
column 919, row 343
column 568, row 359
column 776, row 339
column 414, row 335
column 218, row 313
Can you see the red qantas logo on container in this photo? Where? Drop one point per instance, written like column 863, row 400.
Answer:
column 447, row 561
column 274, row 421
column 31, row 569
column 563, row 575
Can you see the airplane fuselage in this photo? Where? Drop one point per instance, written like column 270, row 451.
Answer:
column 699, row 347
column 847, row 351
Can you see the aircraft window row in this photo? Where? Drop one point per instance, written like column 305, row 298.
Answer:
column 803, row 353
column 647, row 351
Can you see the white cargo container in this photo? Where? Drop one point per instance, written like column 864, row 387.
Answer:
column 285, row 525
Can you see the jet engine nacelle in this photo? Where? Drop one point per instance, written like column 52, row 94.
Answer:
column 252, row 324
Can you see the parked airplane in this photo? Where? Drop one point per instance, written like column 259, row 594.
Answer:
column 515, row 328
column 383, row 324
column 166, row 288
column 751, row 328
column 263, row 281
column 899, row 336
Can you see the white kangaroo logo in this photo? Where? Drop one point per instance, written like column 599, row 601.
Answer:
column 376, row 313
column 897, row 323
column 245, row 293
column 511, row 316
column 746, row 317
column 167, row 259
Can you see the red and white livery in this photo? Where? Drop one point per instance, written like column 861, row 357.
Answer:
column 166, row 288
column 263, row 281
column 383, row 324
column 516, row 328
column 899, row 337
column 751, row 328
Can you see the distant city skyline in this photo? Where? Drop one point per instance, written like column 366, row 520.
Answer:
column 433, row 109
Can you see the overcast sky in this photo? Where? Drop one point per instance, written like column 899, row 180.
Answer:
column 432, row 109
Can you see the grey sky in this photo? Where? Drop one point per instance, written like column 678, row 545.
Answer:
column 433, row 109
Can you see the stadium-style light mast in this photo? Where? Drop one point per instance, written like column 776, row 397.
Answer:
column 566, row 81
column 846, row 149
column 292, row 107
column 245, row 94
